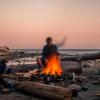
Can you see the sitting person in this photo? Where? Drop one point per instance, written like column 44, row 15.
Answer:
column 48, row 50
column 2, row 66
column 2, row 69
column 7, row 87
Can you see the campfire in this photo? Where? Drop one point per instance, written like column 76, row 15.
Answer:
column 53, row 66
column 47, row 83
column 52, row 72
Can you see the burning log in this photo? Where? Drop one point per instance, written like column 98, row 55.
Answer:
column 83, row 57
column 53, row 66
column 44, row 91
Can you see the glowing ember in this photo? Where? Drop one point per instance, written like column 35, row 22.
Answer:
column 53, row 67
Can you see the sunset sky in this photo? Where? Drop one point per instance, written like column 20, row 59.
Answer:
column 26, row 23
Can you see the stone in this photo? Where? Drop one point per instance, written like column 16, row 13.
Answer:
column 74, row 87
column 85, row 88
column 82, row 79
column 88, row 64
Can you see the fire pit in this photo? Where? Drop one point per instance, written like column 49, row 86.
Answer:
column 52, row 72
column 53, row 66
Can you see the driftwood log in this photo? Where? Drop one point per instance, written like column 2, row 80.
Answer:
column 47, row 92
column 17, row 78
column 71, row 67
column 82, row 57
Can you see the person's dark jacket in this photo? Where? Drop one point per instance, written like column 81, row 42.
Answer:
column 48, row 51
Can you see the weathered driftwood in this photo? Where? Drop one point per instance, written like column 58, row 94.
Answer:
column 44, row 91
column 17, row 78
column 82, row 57
column 72, row 66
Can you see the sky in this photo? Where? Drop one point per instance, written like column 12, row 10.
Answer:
column 26, row 23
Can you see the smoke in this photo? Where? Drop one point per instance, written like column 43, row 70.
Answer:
column 60, row 44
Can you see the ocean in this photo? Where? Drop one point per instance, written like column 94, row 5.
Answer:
column 62, row 51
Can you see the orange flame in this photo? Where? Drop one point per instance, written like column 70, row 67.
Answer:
column 53, row 66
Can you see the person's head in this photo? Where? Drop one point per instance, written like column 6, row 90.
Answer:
column 49, row 41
